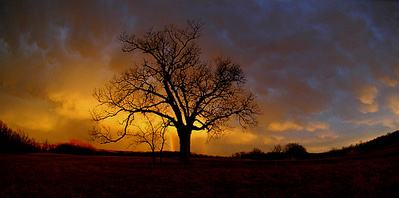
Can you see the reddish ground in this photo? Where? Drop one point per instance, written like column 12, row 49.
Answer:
column 56, row 175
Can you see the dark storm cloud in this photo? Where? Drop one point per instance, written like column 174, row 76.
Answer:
column 53, row 53
column 322, row 70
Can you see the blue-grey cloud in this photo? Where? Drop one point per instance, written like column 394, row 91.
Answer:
column 325, row 73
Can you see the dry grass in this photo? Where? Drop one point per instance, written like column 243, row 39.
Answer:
column 56, row 175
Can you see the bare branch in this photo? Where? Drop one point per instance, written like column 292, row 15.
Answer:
column 173, row 84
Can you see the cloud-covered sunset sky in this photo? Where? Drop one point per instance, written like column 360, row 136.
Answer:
column 326, row 73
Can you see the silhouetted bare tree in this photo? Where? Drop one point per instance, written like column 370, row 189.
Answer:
column 173, row 83
column 277, row 149
column 152, row 134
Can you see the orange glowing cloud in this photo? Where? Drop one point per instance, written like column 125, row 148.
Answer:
column 324, row 74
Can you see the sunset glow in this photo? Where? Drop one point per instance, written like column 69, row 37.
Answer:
column 326, row 74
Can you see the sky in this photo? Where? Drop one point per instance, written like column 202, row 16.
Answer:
column 325, row 73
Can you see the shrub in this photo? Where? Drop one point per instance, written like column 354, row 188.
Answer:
column 255, row 154
column 295, row 150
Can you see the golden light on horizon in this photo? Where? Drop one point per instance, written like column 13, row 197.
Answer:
column 327, row 77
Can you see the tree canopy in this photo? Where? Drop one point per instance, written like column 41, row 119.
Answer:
column 171, row 82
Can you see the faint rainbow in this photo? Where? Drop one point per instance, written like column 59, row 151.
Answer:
column 173, row 142
column 200, row 141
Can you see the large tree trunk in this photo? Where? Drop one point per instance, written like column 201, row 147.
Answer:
column 185, row 140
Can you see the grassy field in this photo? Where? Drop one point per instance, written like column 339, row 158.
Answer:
column 57, row 175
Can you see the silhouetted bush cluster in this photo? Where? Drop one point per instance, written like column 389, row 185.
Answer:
column 68, row 148
column 254, row 154
column 15, row 142
column 294, row 150
column 289, row 151
column 18, row 142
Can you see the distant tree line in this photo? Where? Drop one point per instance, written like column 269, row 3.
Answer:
column 289, row 151
column 15, row 141
column 384, row 143
column 388, row 141
column 19, row 142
